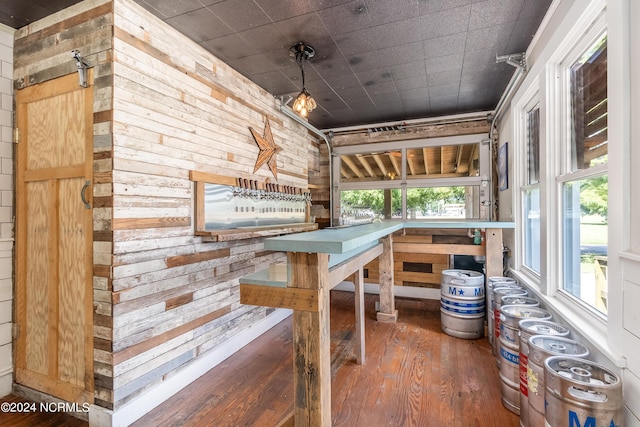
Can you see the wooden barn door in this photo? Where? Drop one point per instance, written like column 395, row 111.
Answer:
column 54, row 297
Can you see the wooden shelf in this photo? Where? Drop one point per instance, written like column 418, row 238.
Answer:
column 253, row 232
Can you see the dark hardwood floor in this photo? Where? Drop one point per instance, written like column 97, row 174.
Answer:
column 414, row 375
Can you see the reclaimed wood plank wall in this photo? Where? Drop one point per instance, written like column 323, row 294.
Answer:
column 163, row 106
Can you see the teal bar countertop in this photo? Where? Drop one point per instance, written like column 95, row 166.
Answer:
column 344, row 239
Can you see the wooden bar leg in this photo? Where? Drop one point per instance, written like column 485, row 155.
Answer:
column 493, row 242
column 358, row 280
column 388, row 312
column 311, row 350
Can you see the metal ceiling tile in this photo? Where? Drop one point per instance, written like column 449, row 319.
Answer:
column 494, row 12
column 254, row 64
column 444, row 63
column 419, row 93
column 444, row 77
column 268, row 38
column 306, row 28
column 275, row 83
column 445, row 103
column 446, row 22
column 278, row 10
column 444, row 46
column 200, row 25
column 496, row 38
column 411, row 83
column 232, row 46
column 387, row 88
column 426, row 7
column 170, row 8
column 345, row 18
column 384, row 12
column 444, row 90
column 240, row 15
column 408, row 69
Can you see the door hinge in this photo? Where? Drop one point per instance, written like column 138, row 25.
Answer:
column 16, row 134
column 15, row 330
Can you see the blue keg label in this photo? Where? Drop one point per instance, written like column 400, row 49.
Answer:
column 468, row 292
column 463, row 304
column 575, row 421
column 461, row 310
column 509, row 357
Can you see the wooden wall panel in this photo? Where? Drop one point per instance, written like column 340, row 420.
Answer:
column 173, row 296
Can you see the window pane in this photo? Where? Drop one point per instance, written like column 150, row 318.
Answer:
column 533, row 146
column 589, row 107
column 443, row 202
column 444, row 161
column 371, row 166
column 358, row 205
column 585, row 240
column 532, row 229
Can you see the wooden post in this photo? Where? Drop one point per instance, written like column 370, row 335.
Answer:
column 358, row 280
column 388, row 312
column 493, row 239
column 311, row 350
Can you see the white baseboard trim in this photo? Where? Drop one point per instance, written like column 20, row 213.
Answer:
column 399, row 291
column 141, row 405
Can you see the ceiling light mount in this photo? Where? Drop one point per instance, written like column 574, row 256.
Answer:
column 304, row 103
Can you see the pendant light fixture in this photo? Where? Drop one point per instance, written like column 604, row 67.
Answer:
column 304, row 103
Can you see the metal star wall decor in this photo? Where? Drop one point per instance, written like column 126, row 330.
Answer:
column 268, row 149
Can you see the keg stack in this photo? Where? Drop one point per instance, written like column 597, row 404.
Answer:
column 510, row 317
column 529, row 328
column 498, row 294
column 494, row 282
column 462, row 303
column 545, row 376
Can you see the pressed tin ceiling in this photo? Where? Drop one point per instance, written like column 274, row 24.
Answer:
column 376, row 60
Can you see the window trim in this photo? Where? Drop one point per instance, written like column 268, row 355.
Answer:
column 554, row 98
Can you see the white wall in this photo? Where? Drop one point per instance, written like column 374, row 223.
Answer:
column 6, row 207
column 615, row 344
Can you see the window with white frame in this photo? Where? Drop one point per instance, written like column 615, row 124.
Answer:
column 434, row 178
column 582, row 179
column 531, row 189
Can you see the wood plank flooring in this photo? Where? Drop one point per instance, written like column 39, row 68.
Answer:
column 414, row 375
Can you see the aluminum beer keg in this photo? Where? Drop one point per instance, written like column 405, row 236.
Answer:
column 495, row 282
column 462, row 304
column 540, row 348
column 498, row 293
column 529, row 328
column 579, row 392
column 510, row 316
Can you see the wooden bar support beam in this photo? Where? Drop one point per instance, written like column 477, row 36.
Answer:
column 311, row 349
column 493, row 242
column 271, row 296
column 358, row 281
column 388, row 312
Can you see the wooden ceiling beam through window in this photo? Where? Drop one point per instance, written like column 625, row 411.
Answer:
column 365, row 163
column 425, row 159
column 395, row 163
column 380, row 163
column 353, row 166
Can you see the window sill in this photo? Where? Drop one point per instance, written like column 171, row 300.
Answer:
column 585, row 327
